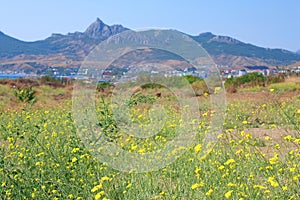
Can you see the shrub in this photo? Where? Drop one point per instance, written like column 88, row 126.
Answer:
column 151, row 86
column 26, row 95
column 191, row 79
column 101, row 86
column 275, row 79
column 251, row 79
column 140, row 98
column 200, row 87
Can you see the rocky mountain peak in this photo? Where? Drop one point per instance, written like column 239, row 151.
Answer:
column 206, row 34
column 99, row 29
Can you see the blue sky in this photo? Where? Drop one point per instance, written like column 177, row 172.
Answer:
column 267, row 23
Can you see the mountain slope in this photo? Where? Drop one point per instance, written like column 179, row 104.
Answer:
column 11, row 46
column 70, row 44
column 70, row 50
column 225, row 47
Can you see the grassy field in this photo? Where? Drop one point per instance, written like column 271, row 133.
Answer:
column 256, row 157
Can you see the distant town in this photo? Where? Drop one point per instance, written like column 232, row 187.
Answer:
column 114, row 73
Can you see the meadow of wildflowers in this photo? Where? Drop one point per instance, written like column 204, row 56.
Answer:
column 256, row 156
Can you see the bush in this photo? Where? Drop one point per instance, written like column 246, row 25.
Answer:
column 200, row 87
column 275, row 79
column 151, row 86
column 140, row 98
column 103, row 85
column 192, row 79
column 251, row 79
column 26, row 95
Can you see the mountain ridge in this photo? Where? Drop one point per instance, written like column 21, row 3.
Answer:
column 69, row 50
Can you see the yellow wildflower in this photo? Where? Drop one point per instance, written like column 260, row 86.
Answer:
column 99, row 195
column 74, row 150
column 198, row 148
column 228, row 162
column 284, row 188
column 74, row 160
column 245, row 122
column 228, row 194
column 128, row 186
column 196, row 185
column 221, row 167
column 209, row 192
column 105, row 178
column 292, row 169
column 267, row 138
column 231, row 184
column 273, row 182
column 97, row 187
column 287, row 138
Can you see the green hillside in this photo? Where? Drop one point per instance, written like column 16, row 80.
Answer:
column 237, row 48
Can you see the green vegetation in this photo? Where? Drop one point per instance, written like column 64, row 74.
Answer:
column 285, row 87
column 256, row 156
column 104, row 85
column 198, row 85
column 192, row 79
column 26, row 95
column 251, row 81
column 141, row 98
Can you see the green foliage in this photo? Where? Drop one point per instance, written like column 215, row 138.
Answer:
column 151, row 86
column 140, row 98
column 191, row 79
column 275, row 79
column 160, row 81
column 198, row 84
column 26, row 95
column 285, row 87
column 104, row 85
column 106, row 120
column 253, row 80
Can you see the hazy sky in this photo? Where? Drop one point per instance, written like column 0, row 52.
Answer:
column 267, row 23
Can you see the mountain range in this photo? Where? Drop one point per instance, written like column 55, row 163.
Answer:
column 69, row 50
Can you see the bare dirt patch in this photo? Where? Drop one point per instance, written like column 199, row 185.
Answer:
column 276, row 136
